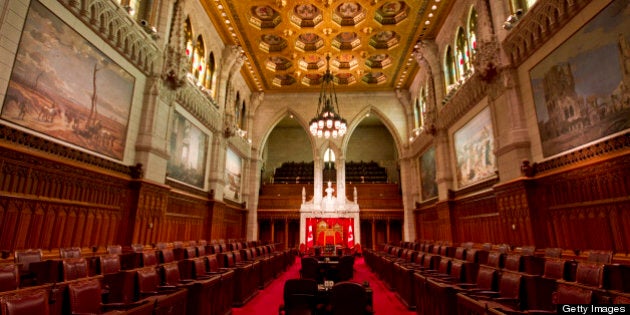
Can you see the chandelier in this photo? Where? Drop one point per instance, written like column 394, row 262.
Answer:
column 328, row 123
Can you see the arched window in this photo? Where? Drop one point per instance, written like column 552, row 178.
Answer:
column 462, row 54
column 416, row 114
column 243, row 116
column 329, row 156
column 472, row 32
column 210, row 71
column 237, row 109
column 522, row 5
column 449, row 68
column 199, row 61
column 423, row 106
column 188, row 38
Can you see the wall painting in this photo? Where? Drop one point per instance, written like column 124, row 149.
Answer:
column 188, row 147
column 582, row 89
column 64, row 87
column 474, row 145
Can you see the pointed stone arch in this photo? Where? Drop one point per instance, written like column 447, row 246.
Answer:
column 372, row 110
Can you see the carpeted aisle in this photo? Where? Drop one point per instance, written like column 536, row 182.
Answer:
column 266, row 302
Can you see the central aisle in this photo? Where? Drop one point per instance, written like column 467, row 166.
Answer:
column 267, row 301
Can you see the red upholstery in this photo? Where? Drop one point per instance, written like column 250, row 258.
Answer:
column 149, row 258
column 299, row 297
column 24, row 257
column 166, row 256
column 74, row 268
column 9, row 277
column 70, row 252
column 496, row 260
column 137, row 248
column 190, row 252
column 170, row 274
column 349, row 298
column 148, row 281
column 570, row 294
column 514, row 262
column 109, row 264
column 114, row 249
column 26, row 304
column 554, row 268
column 590, row 274
column 85, row 297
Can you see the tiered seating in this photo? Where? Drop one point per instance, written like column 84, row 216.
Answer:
column 292, row 172
column 489, row 279
column 365, row 172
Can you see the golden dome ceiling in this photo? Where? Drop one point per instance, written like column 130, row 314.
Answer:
column 370, row 41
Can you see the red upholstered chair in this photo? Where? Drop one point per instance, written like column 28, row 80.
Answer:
column 166, row 256
column 23, row 258
column 149, row 258
column 25, row 304
column 300, row 297
column 85, row 298
column 114, row 249
column 310, row 268
column 590, row 274
column 74, row 268
column 70, row 252
column 9, row 277
column 496, row 259
column 350, row 298
column 136, row 248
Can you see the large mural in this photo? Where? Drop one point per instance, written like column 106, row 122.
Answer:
column 188, row 147
column 428, row 174
column 64, row 87
column 474, row 145
column 233, row 173
column 582, row 89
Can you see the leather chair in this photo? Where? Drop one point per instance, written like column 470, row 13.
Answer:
column 120, row 284
column 23, row 258
column 114, row 249
column 226, row 294
column 300, row 297
column 167, row 299
column 70, row 252
column 166, row 256
column 149, row 258
column 74, row 268
column 85, row 298
column 345, row 268
column 349, row 298
column 310, row 269
column 9, row 277
column 26, row 304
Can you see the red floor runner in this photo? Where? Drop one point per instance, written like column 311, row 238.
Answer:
column 266, row 302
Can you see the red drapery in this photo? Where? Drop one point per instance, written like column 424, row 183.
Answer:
column 336, row 231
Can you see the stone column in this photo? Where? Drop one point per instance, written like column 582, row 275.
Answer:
column 409, row 176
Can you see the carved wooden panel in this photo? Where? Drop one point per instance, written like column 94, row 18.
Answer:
column 475, row 219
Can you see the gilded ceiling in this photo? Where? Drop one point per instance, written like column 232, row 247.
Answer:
column 370, row 42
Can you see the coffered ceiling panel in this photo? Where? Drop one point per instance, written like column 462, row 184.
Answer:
column 370, row 42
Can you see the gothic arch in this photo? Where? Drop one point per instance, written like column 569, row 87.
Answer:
column 274, row 122
column 372, row 110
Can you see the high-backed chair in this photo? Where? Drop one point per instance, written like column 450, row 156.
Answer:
column 114, row 249
column 23, row 258
column 70, row 252
column 9, row 277
column 345, row 268
column 349, row 298
column 85, row 298
column 300, row 297
column 167, row 299
column 149, row 258
column 26, row 304
column 74, row 268
column 310, row 268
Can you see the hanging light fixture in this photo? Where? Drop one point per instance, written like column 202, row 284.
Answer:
column 328, row 123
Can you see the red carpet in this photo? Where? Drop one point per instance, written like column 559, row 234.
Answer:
column 266, row 302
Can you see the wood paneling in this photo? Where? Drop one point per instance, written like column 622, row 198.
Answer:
column 49, row 202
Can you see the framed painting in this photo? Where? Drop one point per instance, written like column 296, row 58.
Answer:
column 233, row 173
column 428, row 174
column 188, row 147
column 474, row 145
column 64, row 87
column 582, row 89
